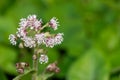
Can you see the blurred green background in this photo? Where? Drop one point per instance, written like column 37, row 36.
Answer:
column 91, row 47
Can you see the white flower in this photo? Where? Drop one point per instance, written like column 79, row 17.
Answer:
column 33, row 22
column 29, row 42
column 31, row 17
column 12, row 39
column 23, row 22
column 37, row 24
column 58, row 38
column 30, row 22
column 53, row 23
column 43, row 58
column 31, row 33
column 21, row 32
column 49, row 42
column 40, row 38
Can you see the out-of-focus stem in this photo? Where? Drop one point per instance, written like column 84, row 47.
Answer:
column 35, row 66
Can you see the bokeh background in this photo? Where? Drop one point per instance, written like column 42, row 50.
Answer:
column 91, row 47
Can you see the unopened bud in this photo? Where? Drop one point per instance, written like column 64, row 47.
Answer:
column 21, row 45
column 34, row 57
column 57, row 70
column 53, row 68
column 21, row 71
column 17, row 65
column 22, row 65
column 43, row 58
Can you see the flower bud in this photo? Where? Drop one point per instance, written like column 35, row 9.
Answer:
column 53, row 68
column 21, row 71
column 21, row 45
column 34, row 57
column 22, row 65
column 43, row 58
column 57, row 70
column 54, row 23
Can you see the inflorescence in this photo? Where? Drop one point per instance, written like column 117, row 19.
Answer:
column 31, row 34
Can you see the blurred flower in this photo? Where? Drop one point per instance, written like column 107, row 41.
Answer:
column 23, row 22
column 20, row 70
column 21, row 66
column 43, row 58
column 40, row 38
column 53, row 23
column 31, row 21
column 58, row 38
column 21, row 32
column 12, row 39
column 49, row 42
column 53, row 68
column 31, row 35
column 29, row 42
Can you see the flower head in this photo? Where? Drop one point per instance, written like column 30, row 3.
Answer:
column 58, row 38
column 31, row 22
column 49, row 42
column 23, row 22
column 29, row 42
column 40, row 38
column 43, row 58
column 21, row 32
column 54, row 23
column 12, row 39
column 31, row 33
column 53, row 68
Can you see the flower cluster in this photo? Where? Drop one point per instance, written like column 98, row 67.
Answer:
column 53, row 23
column 51, row 41
column 43, row 58
column 31, row 34
column 53, row 68
column 12, row 39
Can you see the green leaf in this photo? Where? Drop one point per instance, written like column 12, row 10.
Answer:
column 109, row 39
column 92, row 66
column 26, row 76
column 45, row 76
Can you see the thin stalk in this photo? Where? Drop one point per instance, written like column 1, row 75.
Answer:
column 45, row 26
column 35, row 66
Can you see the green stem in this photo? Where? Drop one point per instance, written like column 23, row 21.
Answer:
column 35, row 66
column 47, row 24
column 44, row 26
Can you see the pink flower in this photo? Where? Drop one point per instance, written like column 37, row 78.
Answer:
column 23, row 22
column 29, row 42
column 31, row 17
column 43, row 58
column 31, row 33
column 58, row 38
column 40, row 38
column 53, row 23
column 49, row 42
column 21, row 32
column 12, row 39
column 31, row 22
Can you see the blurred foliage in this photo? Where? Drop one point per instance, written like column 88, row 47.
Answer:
column 91, row 47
